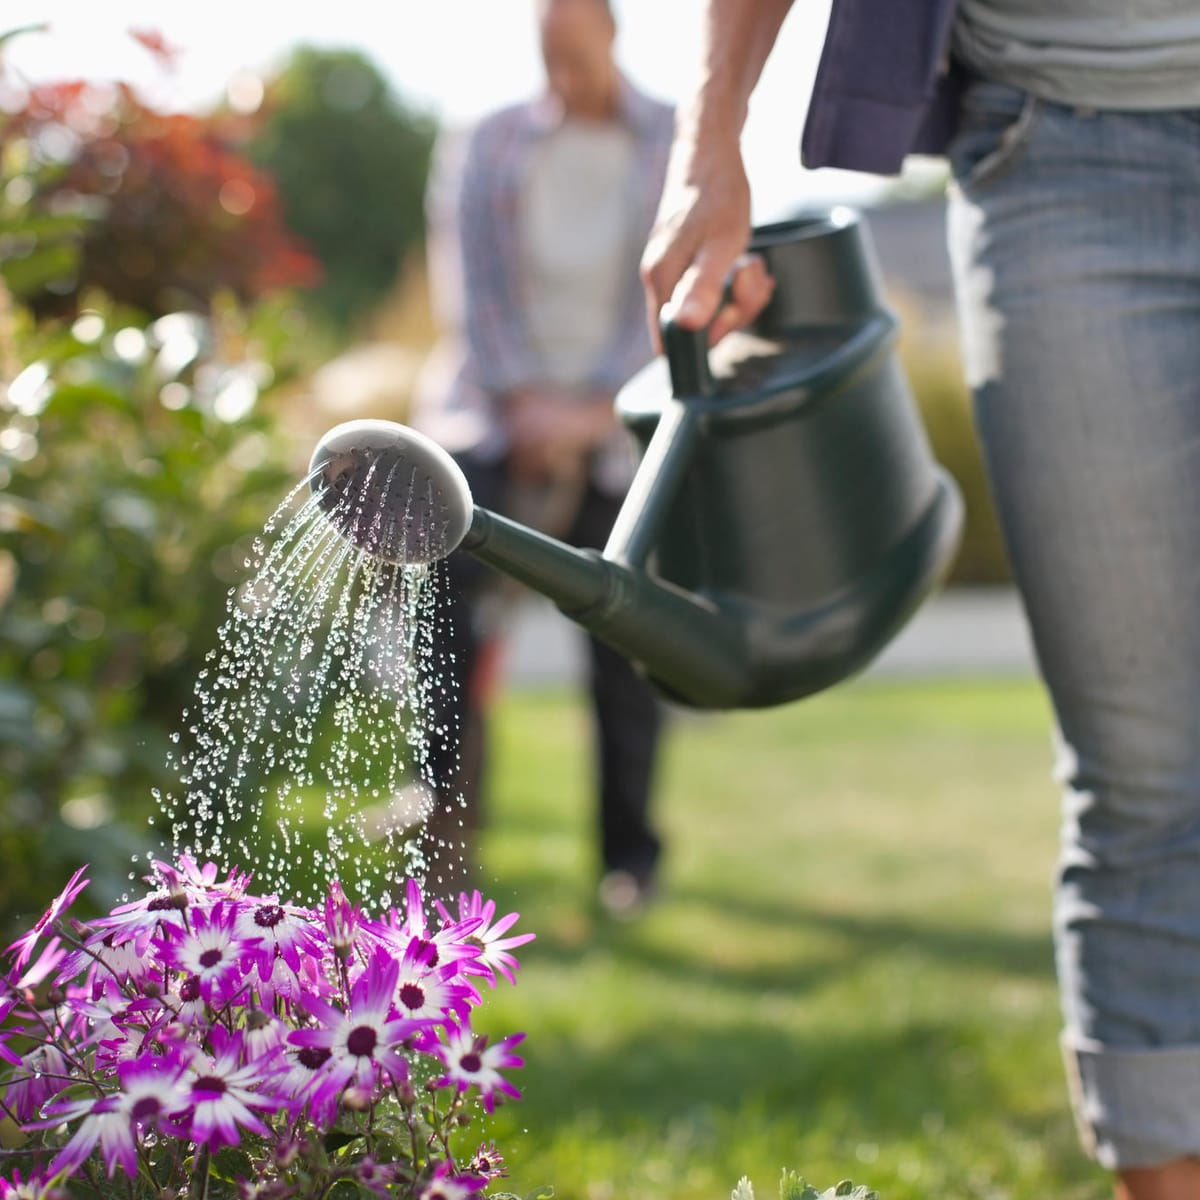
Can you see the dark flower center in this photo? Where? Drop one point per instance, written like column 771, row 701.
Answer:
column 428, row 951
column 145, row 1108
column 412, row 996
column 268, row 915
column 471, row 1062
column 160, row 903
column 313, row 1057
column 210, row 958
column 209, row 1085
column 362, row 1041
column 189, row 989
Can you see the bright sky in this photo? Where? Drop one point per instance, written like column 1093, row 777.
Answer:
column 458, row 58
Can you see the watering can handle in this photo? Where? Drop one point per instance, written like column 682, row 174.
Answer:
column 686, row 351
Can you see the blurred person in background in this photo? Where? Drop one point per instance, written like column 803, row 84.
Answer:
column 1071, row 130
column 537, row 219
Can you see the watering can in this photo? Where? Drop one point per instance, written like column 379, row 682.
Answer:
column 786, row 518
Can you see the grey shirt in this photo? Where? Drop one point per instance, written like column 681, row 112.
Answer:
column 1131, row 54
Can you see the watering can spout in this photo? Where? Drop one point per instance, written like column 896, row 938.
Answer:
column 786, row 519
column 683, row 644
column 402, row 499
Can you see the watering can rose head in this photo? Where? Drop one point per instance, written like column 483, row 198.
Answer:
column 207, row 1040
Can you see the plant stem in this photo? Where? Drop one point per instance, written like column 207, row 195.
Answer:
column 198, row 1189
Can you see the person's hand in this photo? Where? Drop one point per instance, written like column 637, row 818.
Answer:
column 551, row 430
column 697, row 247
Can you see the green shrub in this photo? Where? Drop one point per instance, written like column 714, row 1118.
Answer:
column 136, row 462
column 351, row 162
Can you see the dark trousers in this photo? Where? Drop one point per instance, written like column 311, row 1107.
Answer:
column 627, row 715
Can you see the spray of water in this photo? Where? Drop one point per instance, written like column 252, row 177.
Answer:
column 305, row 754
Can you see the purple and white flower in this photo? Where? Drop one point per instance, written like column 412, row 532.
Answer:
column 224, row 1090
column 211, row 952
column 22, row 948
column 277, row 931
column 365, row 1040
column 471, row 1063
column 448, row 1184
column 488, row 934
column 428, row 993
column 205, row 1017
column 150, row 1090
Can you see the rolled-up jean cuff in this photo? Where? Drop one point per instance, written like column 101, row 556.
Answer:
column 1134, row 1107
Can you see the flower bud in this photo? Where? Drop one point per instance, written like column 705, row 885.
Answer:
column 356, row 1099
column 286, row 1153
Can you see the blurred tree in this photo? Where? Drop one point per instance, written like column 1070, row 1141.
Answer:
column 351, row 162
column 158, row 210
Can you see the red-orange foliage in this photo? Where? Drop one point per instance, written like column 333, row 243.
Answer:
column 175, row 214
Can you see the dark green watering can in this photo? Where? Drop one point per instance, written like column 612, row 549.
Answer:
column 787, row 516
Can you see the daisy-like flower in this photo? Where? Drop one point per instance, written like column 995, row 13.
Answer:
column 22, row 948
column 51, row 956
column 448, row 1184
column 210, row 951
column 425, row 992
column 488, row 935
column 278, row 931
column 150, row 1090
column 33, row 1188
column 136, row 923
column 450, row 943
column 111, row 963
column 471, row 1063
column 186, row 1003
column 187, row 880
column 223, row 1091
column 363, row 1041
column 40, row 1077
column 304, row 1085
column 488, row 1162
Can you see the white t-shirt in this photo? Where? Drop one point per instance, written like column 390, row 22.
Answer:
column 1119, row 54
column 579, row 236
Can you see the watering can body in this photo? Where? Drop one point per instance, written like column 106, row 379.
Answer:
column 787, row 516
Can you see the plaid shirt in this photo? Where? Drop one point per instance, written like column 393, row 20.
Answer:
column 477, row 273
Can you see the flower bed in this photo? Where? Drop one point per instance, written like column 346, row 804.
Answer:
column 209, row 1042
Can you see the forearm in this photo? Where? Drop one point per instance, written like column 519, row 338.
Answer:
column 703, row 222
column 738, row 38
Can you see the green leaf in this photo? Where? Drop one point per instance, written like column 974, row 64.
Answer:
column 73, row 397
column 230, row 1164
column 32, row 272
column 42, row 225
column 335, row 1139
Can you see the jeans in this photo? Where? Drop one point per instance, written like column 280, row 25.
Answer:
column 1075, row 242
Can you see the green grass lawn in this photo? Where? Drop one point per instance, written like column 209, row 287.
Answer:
column 849, row 972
